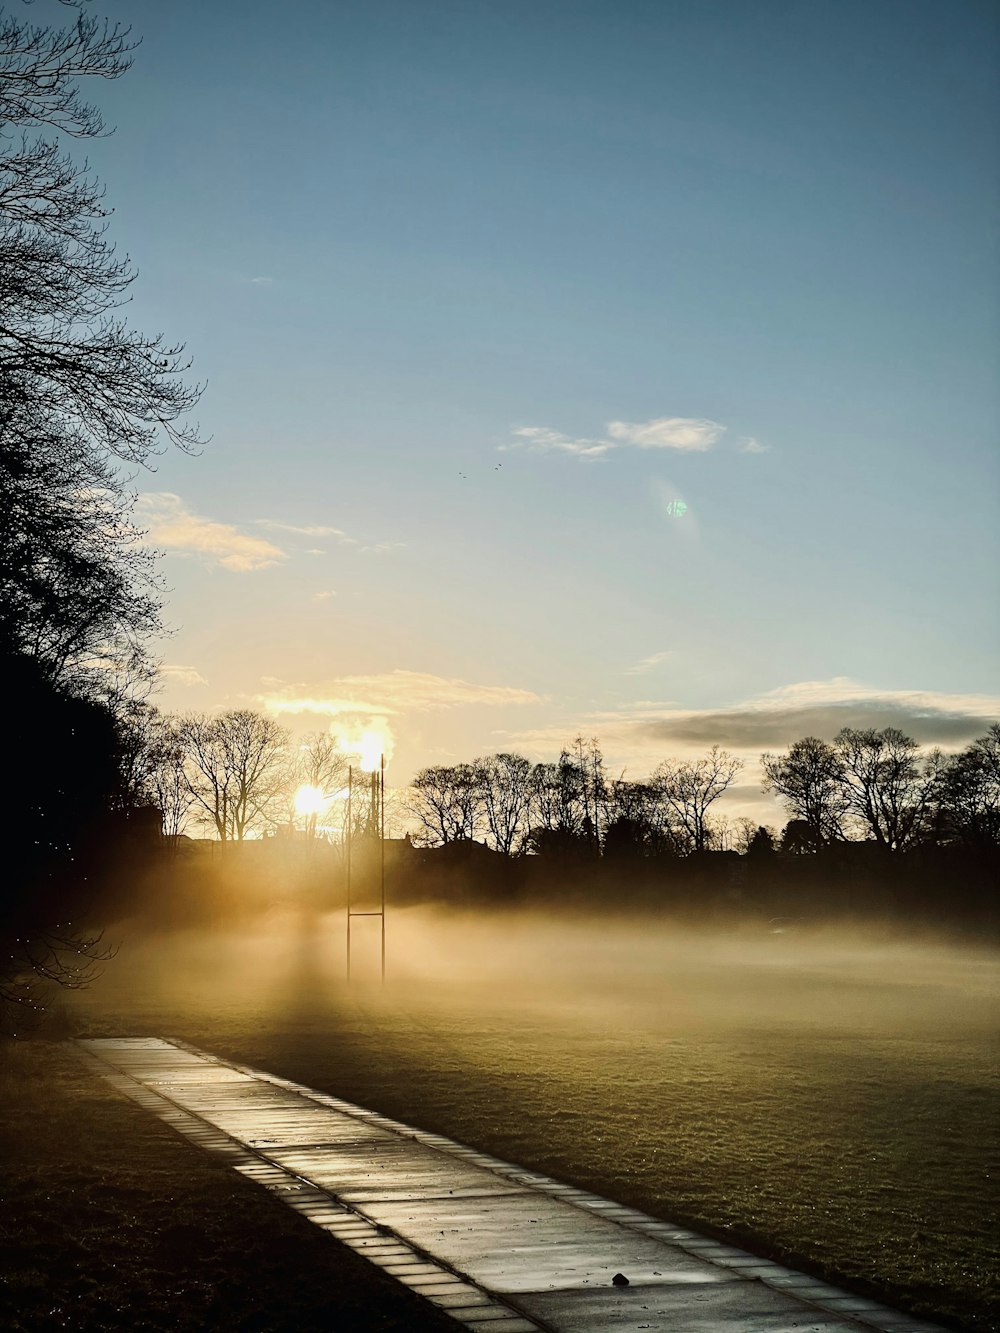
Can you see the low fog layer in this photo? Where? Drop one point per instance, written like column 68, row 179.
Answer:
column 610, row 971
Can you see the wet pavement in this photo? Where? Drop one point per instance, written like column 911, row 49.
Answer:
column 501, row 1249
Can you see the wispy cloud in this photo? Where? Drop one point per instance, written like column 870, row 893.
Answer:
column 682, row 434
column 389, row 693
column 539, row 439
column 325, row 595
column 381, row 548
column 262, row 280
column 647, row 664
column 750, row 445
column 337, row 535
column 174, row 527
column 688, row 434
column 307, row 530
column 181, row 675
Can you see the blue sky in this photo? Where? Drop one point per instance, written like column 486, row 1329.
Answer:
column 395, row 235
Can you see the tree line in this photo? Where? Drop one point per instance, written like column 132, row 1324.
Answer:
column 876, row 830
column 517, row 806
column 867, row 785
column 877, row 785
column 236, row 773
column 233, row 775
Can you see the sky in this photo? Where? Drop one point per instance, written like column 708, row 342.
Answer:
column 624, row 369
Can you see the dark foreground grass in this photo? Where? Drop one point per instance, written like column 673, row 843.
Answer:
column 837, row 1111
column 112, row 1221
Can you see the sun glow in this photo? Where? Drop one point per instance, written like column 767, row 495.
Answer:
column 370, row 746
column 310, row 800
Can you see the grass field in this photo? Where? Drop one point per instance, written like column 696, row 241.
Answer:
column 825, row 1100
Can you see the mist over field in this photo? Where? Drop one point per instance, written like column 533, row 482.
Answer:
column 776, row 973
column 824, row 1096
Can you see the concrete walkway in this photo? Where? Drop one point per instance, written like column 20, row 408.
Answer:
column 501, row 1249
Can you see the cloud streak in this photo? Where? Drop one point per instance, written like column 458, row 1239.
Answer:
column 688, row 434
column 391, row 693
column 307, row 530
column 679, row 434
column 174, row 527
column 540, row 439
column 647, row 664
column 338, row 535
column 174, row 674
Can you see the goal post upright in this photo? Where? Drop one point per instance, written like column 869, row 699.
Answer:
column 375, row 830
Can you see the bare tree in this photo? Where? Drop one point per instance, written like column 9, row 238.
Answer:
column 969, row 792
column 446, row 801
column 80, row 390
column 558, row 796
column 66, row 957
column 236, row 769
column 887, row 787
column 322, row 764
column 735, row 835
column 78, row 592
column 688, row 789
column 505, row 797
column 167, row 781
column 637, row 802
column 63, row 347
column 586, row 755
column 809, row 779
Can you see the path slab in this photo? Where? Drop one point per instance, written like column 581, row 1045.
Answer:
column 497, row 1247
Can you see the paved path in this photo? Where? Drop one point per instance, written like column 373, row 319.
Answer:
column 501, row 1249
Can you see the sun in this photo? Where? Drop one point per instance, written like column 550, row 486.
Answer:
column 310, row 800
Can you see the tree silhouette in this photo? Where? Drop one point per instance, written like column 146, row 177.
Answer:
column 58, row 809
column 153, row 771
column 446, row 800
column 504, row 782
column 78, row 592
column 561, row 800
column 688, row 789
column 886, row 785
column 63, row 347
column 321, row 764
column 969, row 793
column 809, row 779
column 80, row 392
column 637, row 825
column 236, row 769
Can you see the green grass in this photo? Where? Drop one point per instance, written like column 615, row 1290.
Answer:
column 832, row 1106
